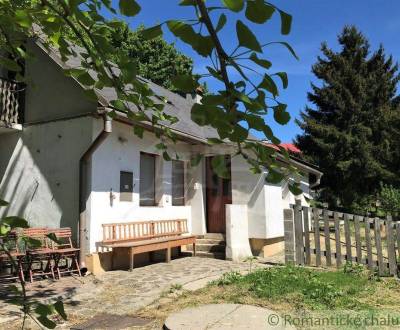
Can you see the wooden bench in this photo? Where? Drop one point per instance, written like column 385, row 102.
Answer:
column 146, row 236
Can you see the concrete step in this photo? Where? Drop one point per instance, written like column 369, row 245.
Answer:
column 208, row 247
column 210, row 241
column 214, row 255
column 214, row 236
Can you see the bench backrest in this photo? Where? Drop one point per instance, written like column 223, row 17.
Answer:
column 39, row 234
column 63, row 236
column 132, row 231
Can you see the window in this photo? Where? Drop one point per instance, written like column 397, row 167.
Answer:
column 147, row 179
column 178, row 183
column 125, row 186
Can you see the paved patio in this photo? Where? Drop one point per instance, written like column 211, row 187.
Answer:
column 123, row 292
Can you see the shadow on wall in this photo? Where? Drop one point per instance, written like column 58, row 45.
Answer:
column 39, row 171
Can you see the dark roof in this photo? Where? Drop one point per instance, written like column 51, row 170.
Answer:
column 176, row 105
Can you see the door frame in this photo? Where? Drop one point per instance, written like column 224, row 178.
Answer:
column 221, row 198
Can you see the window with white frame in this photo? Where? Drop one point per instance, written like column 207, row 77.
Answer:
column 147, row 182
column 178, row 183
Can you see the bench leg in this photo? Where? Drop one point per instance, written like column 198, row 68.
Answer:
column 168, row 255
column 112, row 258
column 131, row 259
column 194, row 249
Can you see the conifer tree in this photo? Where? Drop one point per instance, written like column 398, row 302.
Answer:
column 348, row 130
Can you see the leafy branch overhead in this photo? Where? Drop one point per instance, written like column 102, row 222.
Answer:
column 236, row 110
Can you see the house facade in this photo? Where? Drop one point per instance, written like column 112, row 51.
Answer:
column 65, row 163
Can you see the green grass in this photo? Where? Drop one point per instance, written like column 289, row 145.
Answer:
column 316, row 289
column 297, row 292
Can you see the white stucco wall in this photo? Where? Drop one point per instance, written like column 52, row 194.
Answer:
column 265, row 201
column 121, row 152
column 39, row 172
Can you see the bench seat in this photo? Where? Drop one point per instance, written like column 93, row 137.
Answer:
column 141, row 237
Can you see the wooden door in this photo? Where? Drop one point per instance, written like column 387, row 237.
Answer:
column 218, row 194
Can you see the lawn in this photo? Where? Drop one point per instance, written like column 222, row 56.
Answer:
column 296, row 292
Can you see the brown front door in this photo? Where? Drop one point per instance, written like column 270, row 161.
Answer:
column 218, row 193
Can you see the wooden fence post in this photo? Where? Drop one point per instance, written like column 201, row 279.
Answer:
column 289, row 235
column 347, row 235
column 358, row 238
column 306, row 221
column 317, row 237
column 337, row 239
column 368, row 243
column 378, row 243
column 298, row 233
column 391, row 246
column 327, row 239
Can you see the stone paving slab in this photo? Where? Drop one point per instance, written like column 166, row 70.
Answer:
column 225, row 317
column 123, row 292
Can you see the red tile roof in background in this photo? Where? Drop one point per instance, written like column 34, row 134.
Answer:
column 288, row 146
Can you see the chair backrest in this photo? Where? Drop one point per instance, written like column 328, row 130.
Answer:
column 11, row 242
column 39, row 234
column 63, row 236
column 135, row 231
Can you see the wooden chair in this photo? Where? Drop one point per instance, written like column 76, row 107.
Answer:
column 16, row 255
column 63, row 249
column 39, row 255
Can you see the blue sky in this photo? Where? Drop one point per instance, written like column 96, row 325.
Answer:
column 314, row 21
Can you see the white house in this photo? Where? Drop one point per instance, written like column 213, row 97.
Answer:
column 63, row 162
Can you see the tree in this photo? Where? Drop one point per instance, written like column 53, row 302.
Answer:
column 349, row 132
column 156, row 59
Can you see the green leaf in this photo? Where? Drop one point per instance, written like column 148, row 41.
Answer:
column 54, row 238
column 91, row 95
column 3, row 203
column 161, row 146
column 246, row 37
column 10, row 65
column 46, row 322
column 284, row 78
column 221, row 22
column 291, row 50
column 213, row 141
column 261, row 62
column 281, row 116
column 218, row 164
column 185, row 83
column 4, row 229
column 83, row 78
column 43, row 309
column 22, row 18
column 195, row 160
column 201, row 44
column 258, row 11
column 15, row 222
column 182, row 30
column 31, row 242
column 152, row 32
column 274, row 177
column 59, row 307
column 294, row 189
column 286, row 22
column 234, row 5
column 187, row 3
column 129, row 7
column 268, row 84
column 138, row 131
column 166, row 156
